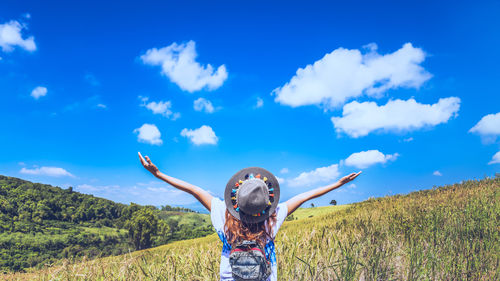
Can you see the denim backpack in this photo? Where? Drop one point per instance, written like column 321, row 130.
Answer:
column 248, row 262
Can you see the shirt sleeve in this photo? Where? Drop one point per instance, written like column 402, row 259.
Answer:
column 218, row 214
column 281, row 214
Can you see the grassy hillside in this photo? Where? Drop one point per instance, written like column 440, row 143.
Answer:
column 186, row 218
column 303, row 213
column 447, row 233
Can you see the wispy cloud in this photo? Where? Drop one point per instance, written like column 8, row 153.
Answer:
column 360, row 119
column 437, row 173
column 46, row 171
column 259, row 103
column 345, row 74
column 153, row 193
column 91, row 79
column 280, row 180
column 202, row 135
column 149, row 133
column 178, row 63
column 160, row 107
column 495, row 159
column 202, row 104
column 11, row 37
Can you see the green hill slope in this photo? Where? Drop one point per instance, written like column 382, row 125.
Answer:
column 448, row 233
column 40, row 224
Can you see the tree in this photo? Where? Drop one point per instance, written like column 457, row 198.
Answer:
column 163, row 233
column 142, row 227
column 173, row 225
column 333, row 202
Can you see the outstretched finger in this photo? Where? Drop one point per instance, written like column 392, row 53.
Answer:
column 143, row 162
column 149, row 160
column 356, row 175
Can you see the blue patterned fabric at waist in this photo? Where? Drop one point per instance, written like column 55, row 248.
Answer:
column 269, row 249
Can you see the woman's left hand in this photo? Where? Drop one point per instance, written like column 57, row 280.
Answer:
column 349, row 178
column 149, row 165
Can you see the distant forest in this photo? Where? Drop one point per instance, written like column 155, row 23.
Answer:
column 40, row 224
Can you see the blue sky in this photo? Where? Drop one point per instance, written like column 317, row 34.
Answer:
column 406, row 92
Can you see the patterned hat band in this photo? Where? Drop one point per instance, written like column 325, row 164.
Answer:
column 252, row 195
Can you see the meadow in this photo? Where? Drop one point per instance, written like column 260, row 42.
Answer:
column 446, row 233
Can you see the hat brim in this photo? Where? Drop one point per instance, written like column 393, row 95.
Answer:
column 242, row 175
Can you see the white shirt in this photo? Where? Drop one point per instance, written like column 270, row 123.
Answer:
column 218, row 217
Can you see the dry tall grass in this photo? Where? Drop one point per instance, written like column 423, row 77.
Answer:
column 448, row 233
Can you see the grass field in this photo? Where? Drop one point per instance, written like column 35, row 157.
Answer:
column 304, row 213
column 186, row 218
column 447, row 233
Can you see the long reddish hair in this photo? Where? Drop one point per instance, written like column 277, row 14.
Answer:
column 239, row 230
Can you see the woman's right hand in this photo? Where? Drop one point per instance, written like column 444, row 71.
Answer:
column 347, row 178
column 149, row 165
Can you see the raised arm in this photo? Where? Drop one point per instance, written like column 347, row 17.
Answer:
column 295, row 202
column 202, row 195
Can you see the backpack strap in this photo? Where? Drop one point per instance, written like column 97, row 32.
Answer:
column 250, row 249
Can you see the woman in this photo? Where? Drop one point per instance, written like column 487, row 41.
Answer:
column 251, row 213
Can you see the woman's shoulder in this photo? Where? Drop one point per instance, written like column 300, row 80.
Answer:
column 282, row 210
column 217, row 213
column 217, row 204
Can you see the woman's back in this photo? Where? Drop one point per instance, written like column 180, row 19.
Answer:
column 218, row 217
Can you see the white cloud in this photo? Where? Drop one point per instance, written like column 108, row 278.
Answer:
column 38, row 92
column 437, row 173
column 365, row 159
column 260, row 103
column 88, row 188
column 161, row 107
column 101, row 105
column 46, row 171
column 344, row 74
column 10, row 37
column 284, row 170
column 202, row 135
column 280, row 180
column 179, row 65
column 323, row 174
column 359, row 119
column 350, row 189
column 149, row 133
column 410, row 139
column 488, row 127
column 202, row 104
column 154, row 193
column 495, row 159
